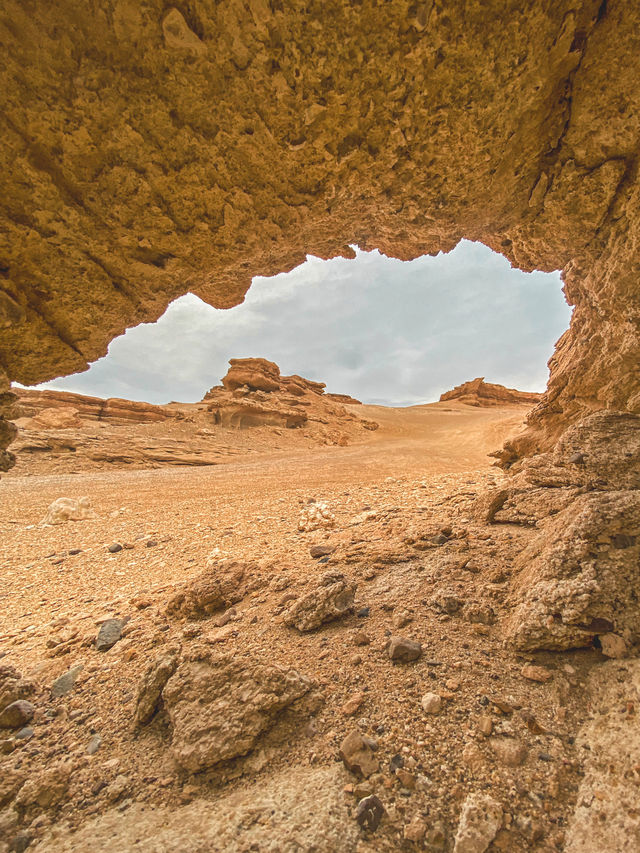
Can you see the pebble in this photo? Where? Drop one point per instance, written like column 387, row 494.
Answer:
column 321, row 551
column 406, row 779
column 151, row 543
column 480, row 820
column 431, row 703
column 64, row 683
column 353, row 704
column 94, row 745
column 369, row 813
column 25, row 734
column 17, row 714
column 361, row 639
column 363, row 612
column 404, row 650
column 536, row 673
column 485, row 725
column 109, row 634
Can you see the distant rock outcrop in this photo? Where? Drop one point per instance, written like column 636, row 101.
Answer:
column 41, row 406
column 481, row 393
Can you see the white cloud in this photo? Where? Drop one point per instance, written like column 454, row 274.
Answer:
column 375, row 327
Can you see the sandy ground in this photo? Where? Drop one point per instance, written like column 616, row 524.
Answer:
column 418, row 474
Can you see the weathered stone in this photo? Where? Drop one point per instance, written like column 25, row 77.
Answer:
column 152, row 684
column 331, row 599
column 221, row 585
column 109, row 634
column 356, row 752
column 536, row 673
column 403, row 650
column 480, row 821
column 431, row 703
column 369, row 813
column 509, row 751
column 64, row 683
column 68, row 509
column 17, row 714
column 613, row 646
column 219, row 704
column 13, row 686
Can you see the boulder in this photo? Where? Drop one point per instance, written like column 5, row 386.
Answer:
column 480, row 820
column 257, row 374
column 68, row 509
column 219, row 586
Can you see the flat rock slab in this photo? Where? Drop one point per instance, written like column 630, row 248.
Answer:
column 109, row 634
column 301, row 809
column 65, row 682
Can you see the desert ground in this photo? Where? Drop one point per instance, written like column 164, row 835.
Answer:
column 308, row 651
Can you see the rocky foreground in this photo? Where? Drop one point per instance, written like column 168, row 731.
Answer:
column 306, row 651
column 64, row 432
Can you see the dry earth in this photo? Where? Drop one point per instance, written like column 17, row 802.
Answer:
column 233, row 742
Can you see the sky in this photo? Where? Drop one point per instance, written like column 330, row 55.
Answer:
column 385, row 331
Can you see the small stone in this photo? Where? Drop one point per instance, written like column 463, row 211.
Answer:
column 406, row 779
column 452, row 684
column 403, row 650
column 613, row 646
column 485, row 725
column 361, row 639
column 577, row 459
column 480, row 820
column 109, row 634
column 321, row 550
column 352, row 705
column 416, row 830
column 151, row 543
column 74, row 551
column 24, row 734
column 94, row 745
column 402, row 619
column 17, row 714
column 20, row 841
column 64, row 683
column 369, row 813
column 509, row 751
column 431, row 703
column 396, row 761
column 113, row 549
column 536, row 673
column 357, row 754
column 363, row 612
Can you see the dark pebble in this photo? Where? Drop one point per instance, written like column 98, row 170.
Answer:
column 25, row 734
column 369, row 813
column 151, row 543
column 113, row 549
column 109, row 634
column 363, row 612
column 396, row 761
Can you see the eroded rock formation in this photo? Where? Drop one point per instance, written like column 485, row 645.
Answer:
column 153, row 150
column 477, row 392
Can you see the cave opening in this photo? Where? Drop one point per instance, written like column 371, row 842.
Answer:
column 382, row 330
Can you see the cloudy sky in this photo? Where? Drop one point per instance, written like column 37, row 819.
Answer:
column 383, row 330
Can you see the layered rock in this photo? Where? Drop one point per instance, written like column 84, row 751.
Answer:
column 41, row 407
column 481, row 393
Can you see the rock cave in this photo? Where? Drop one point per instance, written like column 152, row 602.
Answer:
column 151, row 149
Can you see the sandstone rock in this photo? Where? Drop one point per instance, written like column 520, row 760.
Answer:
column 577, row 580
column 613, row 646
column 536, row 673
column 480, row 821
column 293, row 810
column 331, row 599
column 356, row 751
column 219, row 704
column 257, row 374
column 508, row 751
column 353, row 704
column 56, row 418
column 13, row 686
column 68, row 509
column 17, row 714
column 47, row 788
column 404, row 650
column 317, row 551
column 605, row 817
column 316, row 516
column 345, row 399
column 477, row 392
column 149, row 698
column 431, row 703
column 416, row 830
column 222, row 584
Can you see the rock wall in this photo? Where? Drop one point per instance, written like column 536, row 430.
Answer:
column 477, row 392
column 149, row 151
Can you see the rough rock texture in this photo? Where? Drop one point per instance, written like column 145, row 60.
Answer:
column 34, row 404
column 148, row 152
column 298, row 809
column 481, row 393
column 257, row 374
column 150, row 689
column 331, row 599
column 606, row 816
column 219, row 704
column 479, row 822
column 579, row 578
column 68, row 509
column 219, row 586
